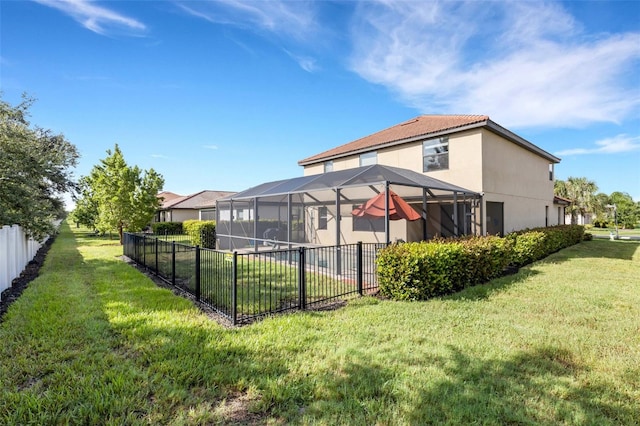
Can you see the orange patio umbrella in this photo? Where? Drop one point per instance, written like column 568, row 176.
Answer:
column 398, row 208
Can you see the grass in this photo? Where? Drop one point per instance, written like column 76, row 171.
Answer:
column 93, row 341
column 621, row 232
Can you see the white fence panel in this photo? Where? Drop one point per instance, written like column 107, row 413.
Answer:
column 16, row 251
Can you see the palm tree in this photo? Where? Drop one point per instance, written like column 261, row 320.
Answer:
column 582, row 193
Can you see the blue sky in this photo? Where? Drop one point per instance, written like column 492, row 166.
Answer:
column 226, row 94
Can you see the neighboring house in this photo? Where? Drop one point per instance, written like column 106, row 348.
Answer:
column 587, row 219
column 464, row 174
column 198, row 206
column 561, row 204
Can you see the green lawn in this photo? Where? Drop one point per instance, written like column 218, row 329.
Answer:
column 622, row 232
column 93, row 341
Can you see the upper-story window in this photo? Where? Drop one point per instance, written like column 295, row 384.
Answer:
column 551, row 171
column 368, row 158
column 328, row 166
column 435, row 154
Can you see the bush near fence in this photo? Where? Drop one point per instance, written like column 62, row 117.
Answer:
column 419, row 271
column 167, row 228
column 201, row 232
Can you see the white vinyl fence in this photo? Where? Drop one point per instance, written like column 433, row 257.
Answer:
column 15, row 252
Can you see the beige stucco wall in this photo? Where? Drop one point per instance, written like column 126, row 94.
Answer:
column 519, row 179
column 180, row 215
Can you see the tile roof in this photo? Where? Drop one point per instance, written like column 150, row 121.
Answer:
column 168, row 196
column 416, row 127
column 198, row 200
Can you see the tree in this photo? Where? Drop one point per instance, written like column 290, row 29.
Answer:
column 627, row 211
column 581, row 192
column 35, row 171
column 86, row 210
column 601, row 211
column 119, row 197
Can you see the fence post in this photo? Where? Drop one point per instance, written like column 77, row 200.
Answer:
column 359, row 266
column 173, row 263
column 234, row 289
column 302, row 285
column 198, row 273
column 144, row 251
column 156, row 251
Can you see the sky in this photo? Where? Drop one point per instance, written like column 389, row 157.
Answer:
column 225, row 95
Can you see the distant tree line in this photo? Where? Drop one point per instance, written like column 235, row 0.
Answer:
column 585, row 199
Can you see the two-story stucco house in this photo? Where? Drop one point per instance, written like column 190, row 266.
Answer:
column 462, row 174
column 514, row 177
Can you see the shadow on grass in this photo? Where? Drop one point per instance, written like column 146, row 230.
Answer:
column 194, row 365
column 596, row 249
column 483, row 291
column 541, row 386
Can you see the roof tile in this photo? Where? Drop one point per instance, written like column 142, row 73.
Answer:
column 419, row 126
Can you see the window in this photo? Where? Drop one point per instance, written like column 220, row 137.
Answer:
column 367, row 224
column 239, row 214
column 368, row 158
column 328, row 166
column 435, row 154
column 323, row 214
column 551, row 171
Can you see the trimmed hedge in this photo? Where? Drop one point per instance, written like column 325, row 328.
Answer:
column 167, row 228
column 201, row 232
column 419, row 271
column 535, row 244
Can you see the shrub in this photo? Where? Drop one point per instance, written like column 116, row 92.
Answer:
column 167, row 228
column 201, row 232
column 419, row 271
column 486, row 258
column 534, row 244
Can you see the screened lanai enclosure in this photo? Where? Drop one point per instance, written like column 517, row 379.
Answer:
column 338, row 208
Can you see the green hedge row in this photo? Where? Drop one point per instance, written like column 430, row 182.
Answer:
column 167, row 228
column 419, row 271
column 201, row 232
column 535, row 244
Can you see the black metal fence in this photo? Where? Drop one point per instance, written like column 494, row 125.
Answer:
column 245, row 285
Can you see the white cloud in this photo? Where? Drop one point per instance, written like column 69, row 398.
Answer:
column 290, row 21
column 523, row 63
column 307, row 63
column 158, row 156
column 93, row 17
column 289, row 18
column 210, row 146
column 615, row 145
